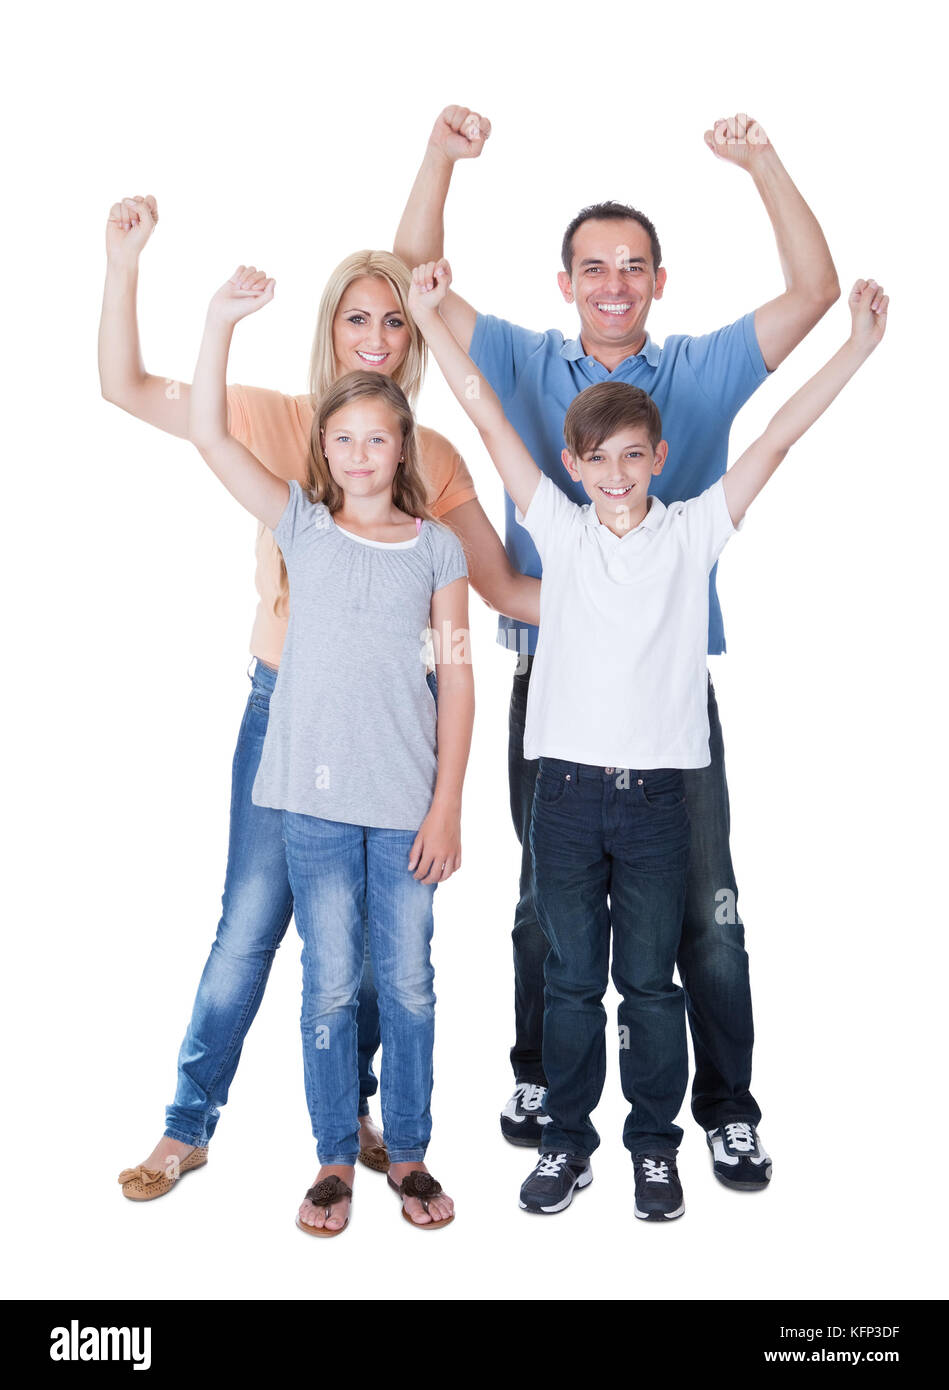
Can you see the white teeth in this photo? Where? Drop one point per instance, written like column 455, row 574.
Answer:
column 372, row 356
column 617, row 491
column 613, row 308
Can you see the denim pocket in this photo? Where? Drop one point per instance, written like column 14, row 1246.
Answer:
column 551, row 785
column 664, row 789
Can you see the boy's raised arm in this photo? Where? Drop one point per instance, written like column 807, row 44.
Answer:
column 242, row 473
column 748, row 474
column 474, row 393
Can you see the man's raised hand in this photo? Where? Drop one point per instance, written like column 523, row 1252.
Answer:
column 246, row 291
column 430, row 282
column 737, row 139
column 131, row 222
column 868, row 306
column 459, row 133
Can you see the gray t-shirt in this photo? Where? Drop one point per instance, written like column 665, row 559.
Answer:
column 351, row 734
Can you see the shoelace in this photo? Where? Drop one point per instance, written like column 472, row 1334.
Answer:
column 656, row 1172
column 532, row 1097
column 741, row 1137
column 550, row 1165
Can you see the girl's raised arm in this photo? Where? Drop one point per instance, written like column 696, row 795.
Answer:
column 263, row 494
column 474, row 393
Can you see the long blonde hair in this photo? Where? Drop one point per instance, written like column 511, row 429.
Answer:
column 407, row 378
column 409, row 492
column 380, row 265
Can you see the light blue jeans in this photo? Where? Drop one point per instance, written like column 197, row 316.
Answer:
column 257, row 906
column 335, row 869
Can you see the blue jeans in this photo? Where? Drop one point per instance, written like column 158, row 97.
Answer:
column 257, row 906
column 713, row 965
column 336, row 869
column 599, row 833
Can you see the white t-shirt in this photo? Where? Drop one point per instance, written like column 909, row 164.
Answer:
column 619, row 676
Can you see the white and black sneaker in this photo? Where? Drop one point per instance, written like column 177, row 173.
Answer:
column 522, row 1119
column 739, row 1159
column 658, row 1190
column 553, row 1182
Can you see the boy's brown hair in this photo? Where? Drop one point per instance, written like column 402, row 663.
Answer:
column 601, row 411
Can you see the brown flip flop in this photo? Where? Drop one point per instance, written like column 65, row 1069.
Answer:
column 326, row 1193
column 423, row 1186
column 141, row 1184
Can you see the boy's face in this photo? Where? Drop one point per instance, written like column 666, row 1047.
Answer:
column 616, row 474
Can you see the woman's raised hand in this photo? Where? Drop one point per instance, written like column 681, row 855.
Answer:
column 459, row 133
column 247, row 290
column 131, row 222
column 430, row 282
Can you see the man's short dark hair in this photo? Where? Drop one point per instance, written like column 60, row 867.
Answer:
column 609, row 212
column 603, row 410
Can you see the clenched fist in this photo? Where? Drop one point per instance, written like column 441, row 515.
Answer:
column 131, row 222
column 737, row 138
column 459, row 133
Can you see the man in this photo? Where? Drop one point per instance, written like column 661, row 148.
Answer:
column 612, row 273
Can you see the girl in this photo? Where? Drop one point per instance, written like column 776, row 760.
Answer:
column 370, row 813
column 362, row 324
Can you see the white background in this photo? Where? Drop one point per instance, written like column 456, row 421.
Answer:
column 288, row 137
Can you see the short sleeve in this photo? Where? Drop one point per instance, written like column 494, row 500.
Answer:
column 274, row 427
column 447, row 480
column 705, row 524
column 448, row 560
column 727, row 364
column 500, row 349
column 298, row 517
column 550, row 515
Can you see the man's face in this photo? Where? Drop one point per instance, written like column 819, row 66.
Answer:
column 616, row 475
column 612, row 283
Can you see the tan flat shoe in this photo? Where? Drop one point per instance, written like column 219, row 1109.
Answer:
column 143, row 1184
column 376, row 1157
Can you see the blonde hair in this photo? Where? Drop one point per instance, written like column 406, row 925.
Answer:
column 380, row 265
column 409, row 492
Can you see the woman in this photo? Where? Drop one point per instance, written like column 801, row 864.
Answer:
column 363, row 325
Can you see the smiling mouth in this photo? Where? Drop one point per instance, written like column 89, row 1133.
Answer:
column 374, row 359
column 614, row 308
column 617, row 492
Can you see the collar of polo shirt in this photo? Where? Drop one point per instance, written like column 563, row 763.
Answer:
column 573, row 351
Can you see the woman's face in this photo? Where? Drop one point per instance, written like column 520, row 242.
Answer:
column 370, row 331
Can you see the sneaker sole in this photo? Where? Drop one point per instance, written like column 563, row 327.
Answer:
column 526, row 1143
column 740, row 1185
column 583, row 1181
column 657, row 1215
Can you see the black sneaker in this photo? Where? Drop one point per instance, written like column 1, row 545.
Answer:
column 739, row 1159
column 551, row 1186
column 658, row 1190
column 522, row 1119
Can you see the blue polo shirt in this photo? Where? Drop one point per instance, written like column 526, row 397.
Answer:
column 699, row 385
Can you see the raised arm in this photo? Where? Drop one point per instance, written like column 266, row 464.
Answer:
column 123, row 380
column 457, row 134
column 811, row 284
column 474, row 393
column 748, row 475
column 242, row 473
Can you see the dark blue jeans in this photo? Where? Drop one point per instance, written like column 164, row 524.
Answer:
column 611, row 852
column 257, row 906
column 713, row 965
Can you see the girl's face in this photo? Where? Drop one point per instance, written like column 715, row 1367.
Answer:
column 370, row 331
column 362, row 442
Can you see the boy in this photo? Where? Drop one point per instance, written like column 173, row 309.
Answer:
column 624, row 608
